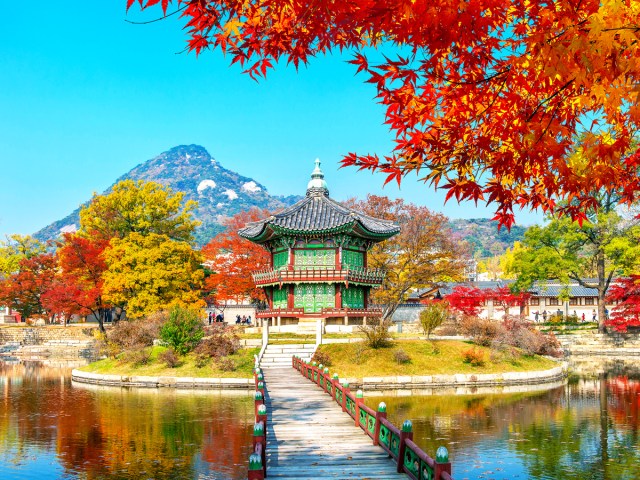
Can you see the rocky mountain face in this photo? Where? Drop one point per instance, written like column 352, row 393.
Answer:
column 484, row 237
column 190, row 169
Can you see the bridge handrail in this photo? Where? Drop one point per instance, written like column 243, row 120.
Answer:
column 258, row 457
column 397, row 442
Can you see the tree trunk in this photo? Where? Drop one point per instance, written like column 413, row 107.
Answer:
column 101, row 314
column 602, row 291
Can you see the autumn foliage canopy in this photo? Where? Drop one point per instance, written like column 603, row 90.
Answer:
column 488, row 99
column 625, row 293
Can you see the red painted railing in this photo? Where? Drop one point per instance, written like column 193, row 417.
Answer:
column 258, row 459
column 397, row 442
column 325, row 312
column 278, row 277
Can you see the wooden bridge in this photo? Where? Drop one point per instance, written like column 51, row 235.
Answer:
column 319, row 429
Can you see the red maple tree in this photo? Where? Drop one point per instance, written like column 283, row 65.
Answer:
column 77, row 288
column 505, row 299
column 488, row 99
column 466, row 300
column 626, row 294
column 23, row 290
column 232, row 259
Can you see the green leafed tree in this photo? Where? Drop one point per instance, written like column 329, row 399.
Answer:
column 14, row 249
column 592, row 254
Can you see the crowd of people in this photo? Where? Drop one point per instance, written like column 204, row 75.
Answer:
column 219, row 318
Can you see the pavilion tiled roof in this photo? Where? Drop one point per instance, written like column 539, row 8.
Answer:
column 316, row 214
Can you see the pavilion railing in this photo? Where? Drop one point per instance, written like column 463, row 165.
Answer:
column 258, row 457
column 346, row 275
column 397, row 442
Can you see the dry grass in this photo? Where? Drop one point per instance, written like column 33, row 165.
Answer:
column 427, row 358
column 243, row 360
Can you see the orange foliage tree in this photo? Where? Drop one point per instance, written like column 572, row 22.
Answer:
column 423, row 255
column 232, row 258
column 486, row 98
column 23, row 290
column 77, row 288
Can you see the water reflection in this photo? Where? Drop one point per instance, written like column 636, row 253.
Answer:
column 51, row 428
column 586, row 429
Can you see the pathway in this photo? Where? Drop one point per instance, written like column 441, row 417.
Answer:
column 309, row 437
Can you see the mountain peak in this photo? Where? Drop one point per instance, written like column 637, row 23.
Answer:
column 220, row 193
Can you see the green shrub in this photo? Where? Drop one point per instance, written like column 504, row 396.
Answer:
column 433, row 316
column 182, row 331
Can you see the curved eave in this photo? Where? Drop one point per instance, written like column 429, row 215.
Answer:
column 271, row 231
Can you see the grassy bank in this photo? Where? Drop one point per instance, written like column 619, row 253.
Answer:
column 188, row 367
column 438, row 357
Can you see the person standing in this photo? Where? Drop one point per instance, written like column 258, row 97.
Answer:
column 544, row 316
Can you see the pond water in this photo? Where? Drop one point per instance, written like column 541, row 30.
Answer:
column 586, row 429
column 53, row 429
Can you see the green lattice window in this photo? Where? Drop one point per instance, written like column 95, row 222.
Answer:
column 352, row 259
column 353, row 297
column 280, row 260
column 280, row 297
column 309, row 259
column 314, row 297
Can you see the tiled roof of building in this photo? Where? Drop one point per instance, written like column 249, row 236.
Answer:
column 317, row 213
column 539, row 289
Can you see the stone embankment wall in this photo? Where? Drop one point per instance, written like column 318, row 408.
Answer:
column 592, row 343
column 39, row 335
column 37, row 343
column 466, row 383
column 160, row 382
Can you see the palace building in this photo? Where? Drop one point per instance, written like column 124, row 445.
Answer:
column 318, row 260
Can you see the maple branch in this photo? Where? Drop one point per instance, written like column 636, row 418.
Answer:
column 548, row 99
column 157, row 19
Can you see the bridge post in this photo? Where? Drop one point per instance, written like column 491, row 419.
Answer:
column 255, row 467
column 319, row 374
column 405, row 434
column 258, row 400
column 335, row 382
column 259, row 432
column 345, row 390
column 381, row 413
column 359, row 401
column 442, row 463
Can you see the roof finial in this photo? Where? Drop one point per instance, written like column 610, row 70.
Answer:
column 317, row 185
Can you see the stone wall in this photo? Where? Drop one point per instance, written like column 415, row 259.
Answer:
column 39, row 335
column 593, row 343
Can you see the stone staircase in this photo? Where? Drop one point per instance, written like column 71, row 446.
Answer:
column 600, row 344
column 279, row 355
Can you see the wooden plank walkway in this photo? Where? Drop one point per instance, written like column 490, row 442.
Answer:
column 309, row 437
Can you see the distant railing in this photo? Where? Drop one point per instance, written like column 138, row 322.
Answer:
column 258, row 457
column 279, row 312
column 397, row 442
column 325, row 312
column 346, row 275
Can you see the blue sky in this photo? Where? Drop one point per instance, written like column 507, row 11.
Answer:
column 86, row 96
